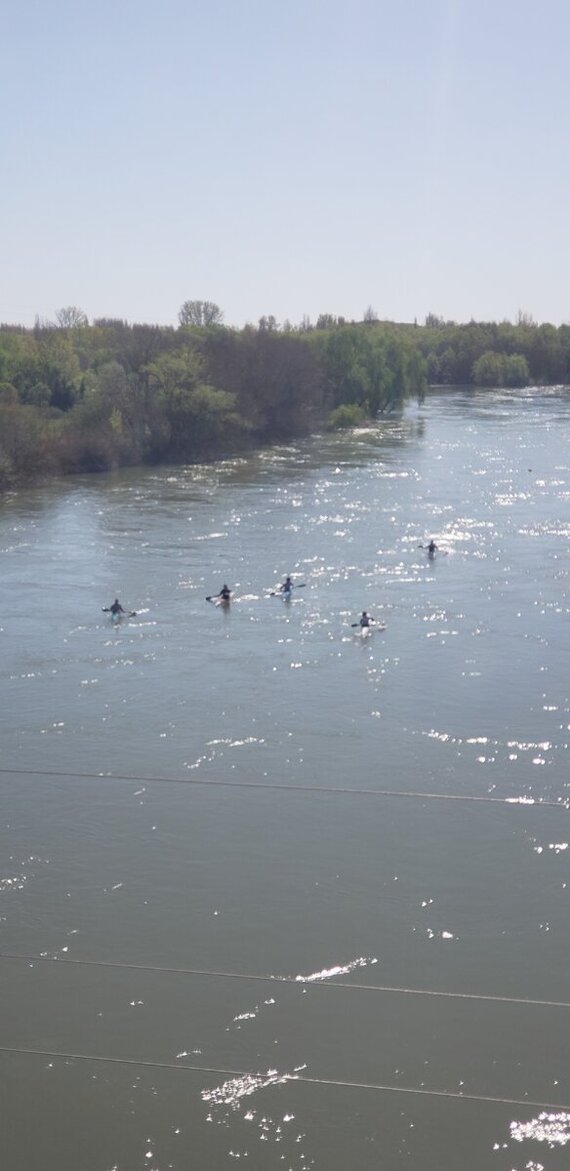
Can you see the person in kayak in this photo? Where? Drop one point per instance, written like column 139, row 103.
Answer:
column 365, row 620
column 116, row 608
column 287, row 586
column 432, row 548
column 223, row 598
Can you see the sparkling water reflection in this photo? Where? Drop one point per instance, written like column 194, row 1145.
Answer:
column 464, row 694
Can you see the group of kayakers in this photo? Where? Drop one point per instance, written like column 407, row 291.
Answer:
column 286, row 588
column 225, row 594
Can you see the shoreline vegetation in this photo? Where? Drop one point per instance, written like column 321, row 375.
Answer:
column 81, row 397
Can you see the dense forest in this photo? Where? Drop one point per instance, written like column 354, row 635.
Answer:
column 78, row 396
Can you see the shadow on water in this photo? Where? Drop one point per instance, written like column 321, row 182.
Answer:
column 193, row 482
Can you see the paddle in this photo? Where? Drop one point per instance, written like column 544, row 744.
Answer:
column 373, row 624
column 279, row 593
column 216, row 598
column 127, row 613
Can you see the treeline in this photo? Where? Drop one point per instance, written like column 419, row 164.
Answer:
column 78, row 397
column 495, row 353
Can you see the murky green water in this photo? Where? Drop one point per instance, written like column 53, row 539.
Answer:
column 243, row 861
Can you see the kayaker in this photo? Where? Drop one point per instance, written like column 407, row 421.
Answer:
column 223, row 598
column 365, row 619
column 287, row 585
column 116, row 608
column 432, row 548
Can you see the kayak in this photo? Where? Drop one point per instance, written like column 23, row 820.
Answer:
column 287, row 591
column 218, row 600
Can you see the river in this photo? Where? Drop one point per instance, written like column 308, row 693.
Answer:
column 271, row 893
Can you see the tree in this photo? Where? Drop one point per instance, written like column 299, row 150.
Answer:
column 370, row 315
column 71, row 317
column 524, row 318
column 192, row 416
column 516, row 372
column 200, row 313
column 432, row 321
column 346, row 416
column 488, row 370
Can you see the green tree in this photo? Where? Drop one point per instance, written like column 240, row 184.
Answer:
column 346, row 416
column 326, row 321
column 516, row 372
column 60, row 370
column 488, row 370
column 191, row 416
column 375, row 369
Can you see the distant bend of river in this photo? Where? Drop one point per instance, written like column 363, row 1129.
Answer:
column 288, row 896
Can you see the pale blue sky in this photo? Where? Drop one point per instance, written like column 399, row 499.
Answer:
column 291, row 158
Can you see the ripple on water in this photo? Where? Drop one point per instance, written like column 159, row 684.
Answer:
column 346, row 514
column 224, row 1104
column 225, row 1101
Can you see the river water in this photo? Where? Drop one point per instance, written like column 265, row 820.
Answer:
column 194, row 799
